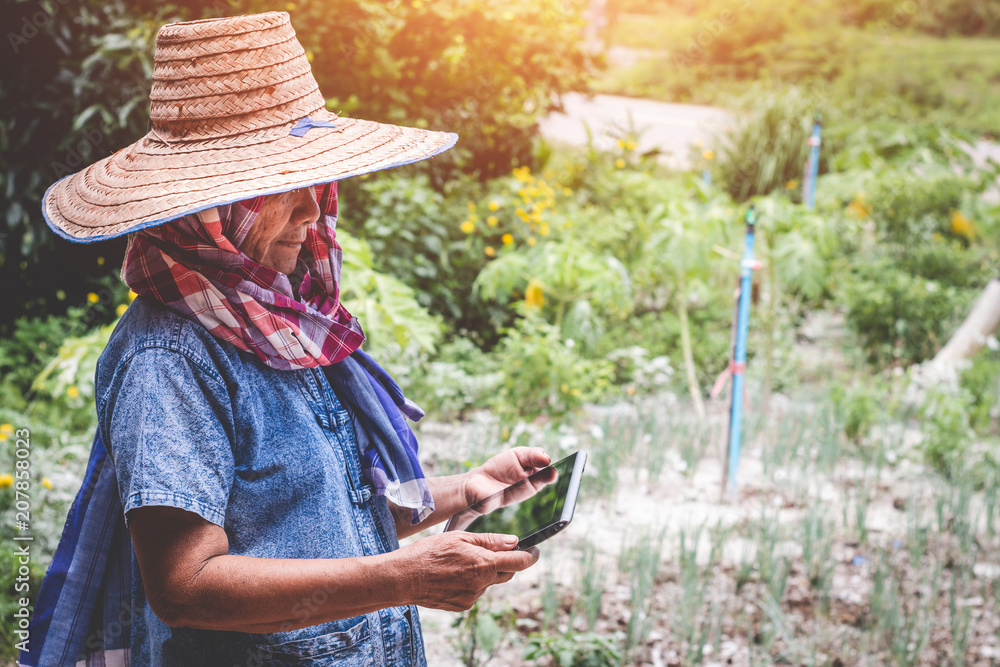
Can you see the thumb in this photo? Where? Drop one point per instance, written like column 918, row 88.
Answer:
column 492, row 541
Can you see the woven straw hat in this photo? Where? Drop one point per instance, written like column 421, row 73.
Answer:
column 235, row 113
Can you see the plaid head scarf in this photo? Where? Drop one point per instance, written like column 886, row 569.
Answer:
column 193, row 265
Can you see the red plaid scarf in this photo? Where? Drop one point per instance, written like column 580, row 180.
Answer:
column 193, row 265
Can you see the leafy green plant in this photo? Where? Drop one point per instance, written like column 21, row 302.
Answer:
column 982, row 380
column 481, row 633
column 387, row 307
column 900, row 317
column 542, row 372
column 572, row 649
column 767, row 147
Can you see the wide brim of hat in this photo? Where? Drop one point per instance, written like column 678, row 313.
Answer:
column 154, row 181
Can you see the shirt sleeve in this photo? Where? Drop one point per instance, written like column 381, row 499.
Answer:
column 169, row 424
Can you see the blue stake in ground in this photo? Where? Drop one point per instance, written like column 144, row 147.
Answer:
column 739, row 362
column 814, row 142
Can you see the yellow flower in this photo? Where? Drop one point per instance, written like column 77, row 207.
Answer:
column 534, row 297
column 630, row 145
column 532, row 241
column 47, row 483
column 962, row 226
column 490, row 251
column 131, row 296
column 7, row 430
column 468, row 226
column 859, row 208
column 494, row 205
column 565, row 388
column 543, row 229
column 567, row 192
column 290, row 7
column 73, row 391
column 417, row 4
column 93, row 298
column 576, row 392
column 472, row 206
column 708, row 155
column 310, row 55
column 521, row 213
column 621, row 143
column 120, row 310
column 792, row 184
column 492, row 221
column 6, row 480
column 522, row 174
column 620, row 163
column 100, row 261
column 507, row 239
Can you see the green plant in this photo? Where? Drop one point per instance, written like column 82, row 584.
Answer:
column 900, row 317
column 641, row 561
column 947, row 433
column 387, row 307
column 13, row 587
column 591, row 584
column 573, row 649
column 481, row 633
column 544, row 373
column 767, row 147
column 982, row 380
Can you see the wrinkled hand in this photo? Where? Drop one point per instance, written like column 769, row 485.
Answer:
column 452, row 570
column 502, row 470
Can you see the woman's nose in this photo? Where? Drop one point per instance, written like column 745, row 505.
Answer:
column 306, row 208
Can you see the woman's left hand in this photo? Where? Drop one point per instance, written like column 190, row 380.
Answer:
column 502, row 470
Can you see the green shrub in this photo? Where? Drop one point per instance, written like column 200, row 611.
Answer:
column 544, row 374
column 909, row 208
column 947, row 432
column 900, row 317
column 387, row 307
column 767, row 147
column 859, row 406
column 982, row 380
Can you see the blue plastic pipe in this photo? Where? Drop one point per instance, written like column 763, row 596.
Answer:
column 814, row 142
column 740, row 353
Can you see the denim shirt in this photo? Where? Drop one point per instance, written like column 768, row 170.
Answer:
column 270, row 456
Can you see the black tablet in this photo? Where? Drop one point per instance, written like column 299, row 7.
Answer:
column 534, row 509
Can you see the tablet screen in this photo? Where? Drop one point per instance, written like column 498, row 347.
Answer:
column 523, row 508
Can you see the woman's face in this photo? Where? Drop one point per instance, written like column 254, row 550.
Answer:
column 276, row 236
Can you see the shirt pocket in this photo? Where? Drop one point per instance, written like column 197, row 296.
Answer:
column 348, row 648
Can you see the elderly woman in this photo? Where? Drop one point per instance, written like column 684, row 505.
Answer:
column 252, row 471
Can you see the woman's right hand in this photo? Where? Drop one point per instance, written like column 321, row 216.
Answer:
column 452, row 570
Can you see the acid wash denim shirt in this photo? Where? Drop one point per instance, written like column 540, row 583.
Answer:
column 195, row 423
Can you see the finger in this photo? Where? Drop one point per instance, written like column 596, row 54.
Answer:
column 532, row 457
column 515, row 561
column 491, row 541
